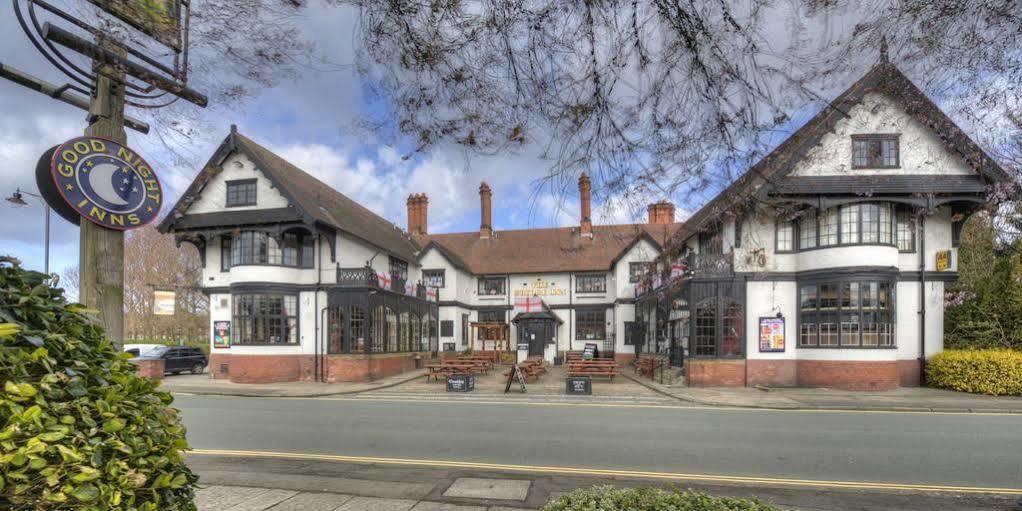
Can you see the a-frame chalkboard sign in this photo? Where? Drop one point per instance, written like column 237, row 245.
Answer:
column 515, row 374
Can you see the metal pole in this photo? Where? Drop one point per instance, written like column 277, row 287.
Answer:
column 47, row 249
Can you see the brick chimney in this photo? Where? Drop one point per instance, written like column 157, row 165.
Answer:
column 486, row 211
column 584, row 187
column 661, row 212
column 417, row 220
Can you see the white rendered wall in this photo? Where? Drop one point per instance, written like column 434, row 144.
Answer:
column 213, row 198
column 921, row 151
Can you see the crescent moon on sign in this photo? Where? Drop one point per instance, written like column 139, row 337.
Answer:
column 102, row 182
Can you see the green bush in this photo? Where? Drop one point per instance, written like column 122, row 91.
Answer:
column 996, row 372
column 609, row 498
column 78, row 428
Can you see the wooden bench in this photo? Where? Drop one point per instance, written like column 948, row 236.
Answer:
column 595, row 367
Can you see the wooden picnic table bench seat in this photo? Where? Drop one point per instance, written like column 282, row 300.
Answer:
column 595, row 367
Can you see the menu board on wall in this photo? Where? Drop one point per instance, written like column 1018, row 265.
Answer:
column 771, row 334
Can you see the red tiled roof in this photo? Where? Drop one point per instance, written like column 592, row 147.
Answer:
column 557, row 249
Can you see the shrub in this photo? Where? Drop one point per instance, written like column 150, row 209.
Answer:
column 78, row 428
column 996, row 372
column 609, row 498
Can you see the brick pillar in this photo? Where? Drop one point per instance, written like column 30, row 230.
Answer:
column 486, row 213
column 584, row 188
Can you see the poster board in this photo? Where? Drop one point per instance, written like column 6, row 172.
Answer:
column 771, row 334
column 163, row 303
column 943, row 261
column 590, row 351
column 221, row 334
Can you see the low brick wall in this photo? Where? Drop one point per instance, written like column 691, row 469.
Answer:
column 849, row 374
column 288, row 368
column 340, row 368
column 772, row 372
column 152, row 368
column 908, row 373
column 715, row 373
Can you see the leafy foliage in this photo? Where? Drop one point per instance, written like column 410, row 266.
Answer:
column 78, row 428
column 984, row 309
column 609, row 498
column 996, row 372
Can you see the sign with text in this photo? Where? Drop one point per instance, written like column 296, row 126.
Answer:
column 582, row 385
column 99, row 180
column 771, row 334
column 541, row 287
column 590, row 351
column 943, row 262
column 461, row 383
column 163, row 303
column 221, row 334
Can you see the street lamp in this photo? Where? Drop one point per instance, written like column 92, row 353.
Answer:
column 17, row 198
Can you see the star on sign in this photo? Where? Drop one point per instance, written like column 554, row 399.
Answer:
column 125, row 181
column 149, row 209
column 134, row 189
column 88, row 164
column 124, row 169
column 69, row 187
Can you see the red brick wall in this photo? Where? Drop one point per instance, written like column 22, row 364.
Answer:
column 715, row 373
column 357, row 367
column 908, row 373
column 771, row 373
column 285, row 368
column 151, row 368
column 266, row 368
column 848, row 374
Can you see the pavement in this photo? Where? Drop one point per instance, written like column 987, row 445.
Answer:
column 627, row 387
column 204, row 384
column 911, row 399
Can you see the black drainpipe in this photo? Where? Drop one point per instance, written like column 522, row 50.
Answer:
column 922, row 299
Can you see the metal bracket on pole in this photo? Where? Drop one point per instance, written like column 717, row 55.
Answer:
column 61, row 93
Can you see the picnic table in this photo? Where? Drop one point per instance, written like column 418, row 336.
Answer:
column 595, row 367
column 449, row 367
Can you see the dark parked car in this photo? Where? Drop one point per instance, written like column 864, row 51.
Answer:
column 181, row 358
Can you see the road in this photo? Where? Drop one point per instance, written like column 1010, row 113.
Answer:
column 833, row 448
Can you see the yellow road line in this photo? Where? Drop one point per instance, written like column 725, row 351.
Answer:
column 722, row 408
column 710, row 478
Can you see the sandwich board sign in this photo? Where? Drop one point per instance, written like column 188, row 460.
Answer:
column 515, row 374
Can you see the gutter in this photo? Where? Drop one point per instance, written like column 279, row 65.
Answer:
column 922, row 299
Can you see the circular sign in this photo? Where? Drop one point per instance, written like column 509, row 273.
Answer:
column 102, row 181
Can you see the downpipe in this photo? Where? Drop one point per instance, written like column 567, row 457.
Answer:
column 922, row 299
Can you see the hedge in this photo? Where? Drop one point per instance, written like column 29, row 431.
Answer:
column 996, row 372
column 79, row 429
column 609, row 498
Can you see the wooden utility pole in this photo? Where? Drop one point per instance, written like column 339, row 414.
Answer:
column 101, row 250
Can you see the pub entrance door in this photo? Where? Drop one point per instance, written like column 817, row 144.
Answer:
column 537, row 333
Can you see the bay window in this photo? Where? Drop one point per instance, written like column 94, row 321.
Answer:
column 295, row 250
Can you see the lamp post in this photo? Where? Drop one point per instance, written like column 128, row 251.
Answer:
column 17, row 199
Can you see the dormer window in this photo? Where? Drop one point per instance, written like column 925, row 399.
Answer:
column 875, row 152
column 241, row 193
